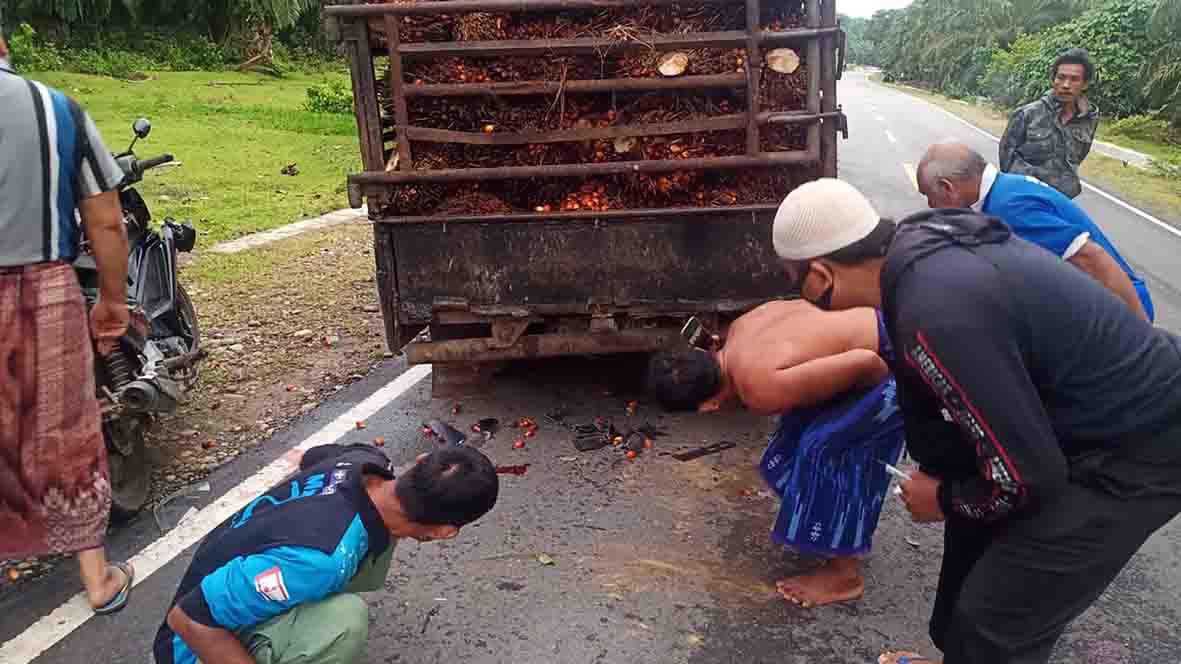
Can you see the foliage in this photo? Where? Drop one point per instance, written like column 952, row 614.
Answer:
column 1116, row 35
column 1161, row 73
column 329, row 97
column 1152, row 127
column 29, row 54
column 860, row 47
column 948, row 44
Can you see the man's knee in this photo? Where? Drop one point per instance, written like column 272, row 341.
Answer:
column 351, row 623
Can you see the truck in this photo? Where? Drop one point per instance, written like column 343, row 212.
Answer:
column 578, row 177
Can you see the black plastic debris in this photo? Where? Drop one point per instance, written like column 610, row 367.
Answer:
column 591, row 437
column 704, row 451
column 445, row 432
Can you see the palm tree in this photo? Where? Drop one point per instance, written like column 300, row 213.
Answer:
column 1162, row 72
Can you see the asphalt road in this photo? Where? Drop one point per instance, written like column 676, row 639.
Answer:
column 656, row 560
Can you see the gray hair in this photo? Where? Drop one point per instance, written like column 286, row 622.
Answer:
column 951, row 160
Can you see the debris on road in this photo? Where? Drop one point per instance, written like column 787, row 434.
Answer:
column 591, row 437
column 445, row 432
column 913, row 542
column 290, row 170
column 379, row 441
column 513, row 470
column 704, row 451
column 546, row 559
column 457, row 409
column 166, row 517
column 520, row 444
column 429, row 614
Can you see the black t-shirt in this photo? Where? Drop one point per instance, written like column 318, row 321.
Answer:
column 1011, row 362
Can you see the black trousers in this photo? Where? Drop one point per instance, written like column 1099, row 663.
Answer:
column 1007, row 592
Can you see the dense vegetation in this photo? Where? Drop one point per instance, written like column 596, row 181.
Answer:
column 1002, row 50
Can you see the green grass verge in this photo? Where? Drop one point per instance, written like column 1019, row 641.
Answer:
column 1155, row 192
column 234, row 133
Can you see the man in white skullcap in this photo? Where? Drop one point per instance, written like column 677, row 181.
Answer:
column 1044, row 413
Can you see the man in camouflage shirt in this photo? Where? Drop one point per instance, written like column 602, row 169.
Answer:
column 1050, row 137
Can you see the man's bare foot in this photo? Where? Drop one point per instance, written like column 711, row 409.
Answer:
column 114, row 582
column 906, row 658
column 839, row 580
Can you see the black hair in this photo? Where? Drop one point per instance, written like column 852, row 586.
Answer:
column 874, row 245
column 454, row 486
column 685, row 379
column 1074, row 56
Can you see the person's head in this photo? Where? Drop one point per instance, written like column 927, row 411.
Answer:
column 444, row 491
column 832, row 244
column 950, row 175
column 1071, row 75
column 687, row 380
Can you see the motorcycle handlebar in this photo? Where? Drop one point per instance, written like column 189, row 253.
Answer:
column 148, row 164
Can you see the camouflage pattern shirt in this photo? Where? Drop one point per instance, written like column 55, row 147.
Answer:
column 1037, row 143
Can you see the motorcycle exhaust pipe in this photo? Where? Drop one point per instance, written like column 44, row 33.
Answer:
column 140, row 397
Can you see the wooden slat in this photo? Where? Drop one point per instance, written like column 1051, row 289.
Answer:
column 365, row 96
column 586, row 170
column 397, row 83
column 656, row 214
column 814, row 67
column 469, row 6
column 590, row 45
column 828, row 101
column 721, row 123
column 754, row 68
column 593, row 85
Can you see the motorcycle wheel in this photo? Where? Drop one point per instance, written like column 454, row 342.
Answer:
column 187, row 314
column 131, row 473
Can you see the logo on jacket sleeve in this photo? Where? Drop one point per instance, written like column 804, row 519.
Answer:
column 270, row 585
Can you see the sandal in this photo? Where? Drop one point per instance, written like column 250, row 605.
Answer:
column 119, row 601
column 908, row 658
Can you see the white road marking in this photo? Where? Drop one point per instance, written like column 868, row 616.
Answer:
column 1090, row 187
column 52, row 628
column 879, row 118
column 890, row 137
column 328, row 220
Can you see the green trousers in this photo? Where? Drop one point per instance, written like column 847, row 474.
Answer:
column 331, row 631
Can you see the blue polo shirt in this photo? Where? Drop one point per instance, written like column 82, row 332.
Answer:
column 1044, row 216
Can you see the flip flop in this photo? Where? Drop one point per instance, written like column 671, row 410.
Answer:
column 912, row 659
column 119, row 601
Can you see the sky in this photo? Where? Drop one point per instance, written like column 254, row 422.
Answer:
column 866, row 8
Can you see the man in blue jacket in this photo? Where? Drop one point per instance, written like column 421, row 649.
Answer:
column 277, row 581
column 953, row 175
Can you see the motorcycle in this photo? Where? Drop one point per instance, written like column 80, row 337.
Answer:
column 157, row 361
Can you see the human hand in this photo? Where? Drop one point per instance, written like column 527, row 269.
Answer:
column 920, row 494
column 108, row 322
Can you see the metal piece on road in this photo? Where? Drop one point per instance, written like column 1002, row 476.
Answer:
column 541, row 345
column 704, row 451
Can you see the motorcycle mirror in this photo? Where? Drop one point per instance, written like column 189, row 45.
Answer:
column 142, row 127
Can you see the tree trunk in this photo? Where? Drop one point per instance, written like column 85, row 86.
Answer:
column 218, row 20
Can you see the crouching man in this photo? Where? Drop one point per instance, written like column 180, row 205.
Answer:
column 277, row 581
column 839, row 426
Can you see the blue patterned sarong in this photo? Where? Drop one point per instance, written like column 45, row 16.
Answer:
column 826, row 463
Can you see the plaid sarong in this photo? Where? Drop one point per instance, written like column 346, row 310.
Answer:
column 54, row 490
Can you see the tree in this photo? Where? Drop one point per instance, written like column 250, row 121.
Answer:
column 1162, row 72
column 223, row 17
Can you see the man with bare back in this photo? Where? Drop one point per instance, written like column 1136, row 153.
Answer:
column 823, row 373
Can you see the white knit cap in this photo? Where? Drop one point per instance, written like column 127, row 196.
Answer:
column 821, row 217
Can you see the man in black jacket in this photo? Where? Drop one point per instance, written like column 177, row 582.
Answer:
column 1044, row 414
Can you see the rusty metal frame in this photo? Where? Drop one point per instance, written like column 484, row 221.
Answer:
column 820, row 36
column 487, row 349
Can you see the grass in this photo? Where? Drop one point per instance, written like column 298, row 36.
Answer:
column 233, row 132
column 1152, row 191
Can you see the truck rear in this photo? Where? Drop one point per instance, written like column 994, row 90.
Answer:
column 577, row 177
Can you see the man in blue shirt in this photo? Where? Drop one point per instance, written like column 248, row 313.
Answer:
column 277, row 581
column 953, row 175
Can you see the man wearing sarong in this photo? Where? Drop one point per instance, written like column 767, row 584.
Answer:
column 55, row 493
column 839, row 426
